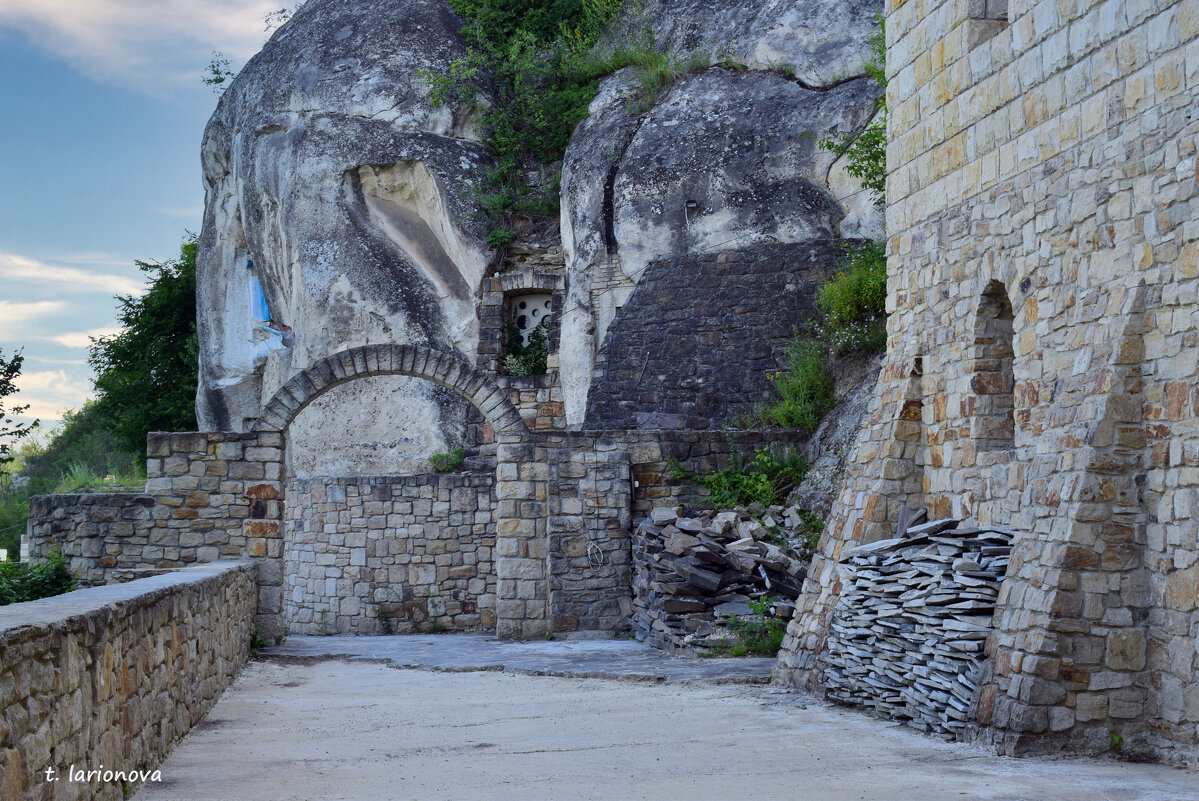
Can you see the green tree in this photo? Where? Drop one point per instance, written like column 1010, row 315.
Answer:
column 10, row 428
column 146, row 375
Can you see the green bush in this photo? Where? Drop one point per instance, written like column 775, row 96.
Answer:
column 530, row 359
column 21, row 581
column 853, row 304
column 448, row 462
column 767, row 478
column 805, row 388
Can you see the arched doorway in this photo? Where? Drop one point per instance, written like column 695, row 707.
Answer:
column 397, row 553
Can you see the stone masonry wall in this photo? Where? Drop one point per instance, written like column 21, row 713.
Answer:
column 693, row 345
column 209, row 496
column 113, row 676
column 653, row 456
column 1050, row 157
column 96, row 533
column 390, row 554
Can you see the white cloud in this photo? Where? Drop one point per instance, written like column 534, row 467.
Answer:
column 82, row 339
column 49, row 393
column 195, row 213
column 21, row 268
column 16, row 317
column 147, row 44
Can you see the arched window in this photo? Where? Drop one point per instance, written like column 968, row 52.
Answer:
column 993, row 384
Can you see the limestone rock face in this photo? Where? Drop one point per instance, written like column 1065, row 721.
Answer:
column 723, row 161
column 830, row 450
column 820, row 42
column 327, row 167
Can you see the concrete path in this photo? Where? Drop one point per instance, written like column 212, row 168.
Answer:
column 597, row 659
column 345, row 728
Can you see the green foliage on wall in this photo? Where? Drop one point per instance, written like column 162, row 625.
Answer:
column 766, row 478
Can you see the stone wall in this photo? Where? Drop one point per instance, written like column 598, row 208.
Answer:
column 97, row 532
column 693, row 345
column 390, row 554
column 655, row 455
column 209, row 496
column 1046, row 163
column 563, row 534
column 113, row 676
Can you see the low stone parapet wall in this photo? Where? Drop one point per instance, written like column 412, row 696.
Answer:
column 96, row 532
column 108, row 678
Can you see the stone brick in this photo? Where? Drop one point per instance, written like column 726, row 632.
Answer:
column 1126, row 650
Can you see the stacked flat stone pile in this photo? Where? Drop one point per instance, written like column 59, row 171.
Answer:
column 907, row 636
column 691, row 574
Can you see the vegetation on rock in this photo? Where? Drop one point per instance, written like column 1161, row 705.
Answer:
column 766, row 478
column 852, row 316
column 540, row 65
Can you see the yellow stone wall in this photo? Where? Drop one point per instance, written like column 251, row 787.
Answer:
column 1052, row 155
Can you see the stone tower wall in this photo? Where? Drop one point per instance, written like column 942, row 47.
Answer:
column 1046, row 158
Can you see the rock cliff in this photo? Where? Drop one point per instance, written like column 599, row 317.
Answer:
column 329, row 171
column 342, row 203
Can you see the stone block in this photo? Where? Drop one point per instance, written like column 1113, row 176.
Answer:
column 1126, row 650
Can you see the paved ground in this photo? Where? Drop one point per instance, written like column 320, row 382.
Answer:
column 346, row 728
column 595, row 659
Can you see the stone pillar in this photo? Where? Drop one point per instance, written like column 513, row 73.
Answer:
column 522, row 491
column 1069, row 651
column 589, row 546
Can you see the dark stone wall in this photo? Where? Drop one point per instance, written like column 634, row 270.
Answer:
column 692, row 347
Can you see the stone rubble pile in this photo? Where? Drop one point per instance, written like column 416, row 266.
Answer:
column 906, row 638
column 691, row 573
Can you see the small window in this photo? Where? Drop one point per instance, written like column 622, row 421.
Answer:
column 526, row 345
column 993, row 383
column 528, row 312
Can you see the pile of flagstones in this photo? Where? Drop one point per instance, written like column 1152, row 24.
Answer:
column 907, row 635
column 691, row 574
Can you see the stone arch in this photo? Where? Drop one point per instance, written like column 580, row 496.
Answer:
column 992, row 382
column 444, row 369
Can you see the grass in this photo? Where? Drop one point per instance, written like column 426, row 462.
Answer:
column 766, row 478
column 760, row 635
column 448, row 462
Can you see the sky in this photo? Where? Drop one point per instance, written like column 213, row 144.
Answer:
column 102, row 110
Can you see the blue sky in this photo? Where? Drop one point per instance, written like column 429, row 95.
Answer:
column 101, row 115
